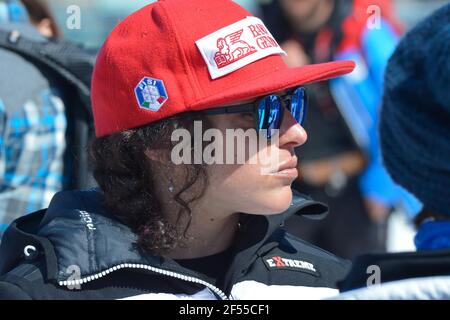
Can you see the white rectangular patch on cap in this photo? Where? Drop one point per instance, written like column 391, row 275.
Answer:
column 236, row 46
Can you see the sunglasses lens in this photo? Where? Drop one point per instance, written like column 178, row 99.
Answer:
column 269, row 114
column 299, row 105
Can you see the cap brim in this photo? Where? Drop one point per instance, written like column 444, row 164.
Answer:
column 279, row 80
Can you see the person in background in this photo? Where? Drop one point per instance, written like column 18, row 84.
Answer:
column 42, row 18
column 415, row 134
column 341, row 162
column 32, row 126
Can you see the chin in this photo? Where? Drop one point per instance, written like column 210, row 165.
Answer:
column 275, row 202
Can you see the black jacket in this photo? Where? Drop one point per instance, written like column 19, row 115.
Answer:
column 76, row 250
column 397, row 266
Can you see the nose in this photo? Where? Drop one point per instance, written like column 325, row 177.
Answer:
column 292, row 134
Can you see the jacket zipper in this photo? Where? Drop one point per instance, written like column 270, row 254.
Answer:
column 171, row 274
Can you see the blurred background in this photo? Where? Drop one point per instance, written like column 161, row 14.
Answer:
column 98, row 17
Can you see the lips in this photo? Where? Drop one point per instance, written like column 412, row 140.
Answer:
column 288, row 168
column 289, row 164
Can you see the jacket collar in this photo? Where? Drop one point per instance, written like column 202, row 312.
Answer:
column 77, row 231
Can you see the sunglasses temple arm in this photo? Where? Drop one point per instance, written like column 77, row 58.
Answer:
column 250, row 107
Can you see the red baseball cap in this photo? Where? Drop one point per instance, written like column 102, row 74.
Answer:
column 174, row 56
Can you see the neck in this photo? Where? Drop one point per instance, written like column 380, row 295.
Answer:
column 211, row 231
column 212, row 226
column 207, row 238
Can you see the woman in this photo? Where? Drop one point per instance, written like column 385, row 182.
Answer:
column 158, row 229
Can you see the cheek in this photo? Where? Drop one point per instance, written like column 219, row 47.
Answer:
column 244, row 189
column 245, row 186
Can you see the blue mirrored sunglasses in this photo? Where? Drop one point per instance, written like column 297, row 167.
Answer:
column 269, row 110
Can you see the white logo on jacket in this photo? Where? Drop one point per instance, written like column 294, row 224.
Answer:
column 279, row 262
column 86, row 218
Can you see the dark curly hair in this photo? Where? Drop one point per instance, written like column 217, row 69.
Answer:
column 125, row 175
